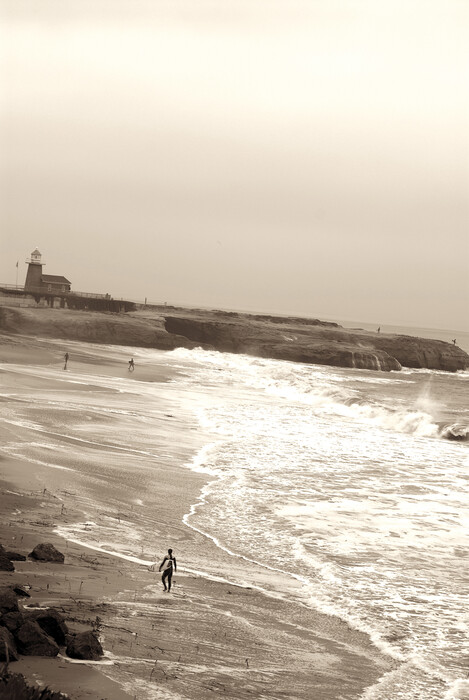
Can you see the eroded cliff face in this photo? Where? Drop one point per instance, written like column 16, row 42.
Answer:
column 91, row 327
column 423, row 353
column 314, row 344
column 298, row 340
column 318, row 343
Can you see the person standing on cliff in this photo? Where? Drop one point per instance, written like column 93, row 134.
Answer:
column 66, row 356
column 168, row 565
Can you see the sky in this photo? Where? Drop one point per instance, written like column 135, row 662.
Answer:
column 287, row 156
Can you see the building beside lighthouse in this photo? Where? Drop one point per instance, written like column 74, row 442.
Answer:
column 55, row 292
column 36, row 282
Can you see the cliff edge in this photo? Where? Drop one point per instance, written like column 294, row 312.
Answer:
column 317, row 342
column 278, row 337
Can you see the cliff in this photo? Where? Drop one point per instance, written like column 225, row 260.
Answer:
column 92, row 327
column 317, row 342
column 283, row 338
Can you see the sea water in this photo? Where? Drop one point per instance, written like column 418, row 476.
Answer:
column 343, row 481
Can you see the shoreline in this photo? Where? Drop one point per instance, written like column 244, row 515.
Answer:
column 80, row 596
column 233, row 639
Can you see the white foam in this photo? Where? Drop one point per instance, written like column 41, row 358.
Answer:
column 459, row 690
column 337, row 462
column 63, row 532
column 86, row 662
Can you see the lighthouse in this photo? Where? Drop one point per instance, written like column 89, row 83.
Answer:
column 33, row 282
column 36, row 282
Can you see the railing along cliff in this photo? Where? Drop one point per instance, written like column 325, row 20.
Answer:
column 55, row 292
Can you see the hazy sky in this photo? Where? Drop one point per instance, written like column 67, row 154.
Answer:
column 288, row 156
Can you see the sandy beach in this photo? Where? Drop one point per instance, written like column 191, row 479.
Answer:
column 210, row 636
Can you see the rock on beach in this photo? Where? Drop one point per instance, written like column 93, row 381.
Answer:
column 46, row 552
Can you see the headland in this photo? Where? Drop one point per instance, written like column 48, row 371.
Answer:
column 289, row 338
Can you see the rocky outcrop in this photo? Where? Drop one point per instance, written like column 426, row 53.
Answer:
column 39, row 632
column 13, row 686
column 15, row 556
column 12, row 620
column 8, row 601
column 46, row 552
column 312, row 343
column 52, row 623
column 33, row 641
column 5, row 563
column 6, row 559
column 319, row 343
column 85, row 645
column 422, row 352
column 277, row 337
column 92, row 327
column 19, row 590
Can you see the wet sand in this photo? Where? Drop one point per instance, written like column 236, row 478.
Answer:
column 208, row 637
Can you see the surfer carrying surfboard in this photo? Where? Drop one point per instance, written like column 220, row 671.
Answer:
column 168, row 565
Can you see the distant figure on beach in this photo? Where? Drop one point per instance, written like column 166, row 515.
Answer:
column 379, row 329
column 131, row 365
column 168, row 565
column 66, row 356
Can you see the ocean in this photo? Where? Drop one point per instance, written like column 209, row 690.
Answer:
column 342, row 489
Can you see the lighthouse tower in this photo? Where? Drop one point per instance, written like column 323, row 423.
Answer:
column 33, row 280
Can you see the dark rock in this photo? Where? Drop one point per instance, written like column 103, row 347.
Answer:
column 7, row 643
column 33, row 641
column 13, row 686
column 15, row 556
column 12, row 620
column 19, row 590
column 46, row 552
column 85, row 645
column 11, row 556
column 5, row 563
column 8, row 601
column 52, row 623
column 423, row 353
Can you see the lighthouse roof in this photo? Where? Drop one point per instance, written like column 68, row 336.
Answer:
column 36, row 252
column 55, row 278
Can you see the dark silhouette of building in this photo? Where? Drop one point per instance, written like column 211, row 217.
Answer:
column 39, row 283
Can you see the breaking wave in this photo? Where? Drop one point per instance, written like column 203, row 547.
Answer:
column 354, row 395
column 456, row 432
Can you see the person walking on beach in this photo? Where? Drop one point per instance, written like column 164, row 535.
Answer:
column 131, row 365
column 66, row 356
column 168, row 565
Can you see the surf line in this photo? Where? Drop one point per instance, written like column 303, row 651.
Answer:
column 147, row 563
column 197, row 465
column 374, row 637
